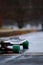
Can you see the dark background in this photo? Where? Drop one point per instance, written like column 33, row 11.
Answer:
column 21, row 11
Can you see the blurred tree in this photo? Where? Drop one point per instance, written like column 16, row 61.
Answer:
column 17, row 11
column 21, row 10
column 1, row 22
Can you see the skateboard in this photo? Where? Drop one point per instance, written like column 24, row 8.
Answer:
column 12, row 44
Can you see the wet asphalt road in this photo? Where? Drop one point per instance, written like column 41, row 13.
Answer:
column 23, row 60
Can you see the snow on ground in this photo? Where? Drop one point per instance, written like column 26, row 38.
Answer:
column 27, row 26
